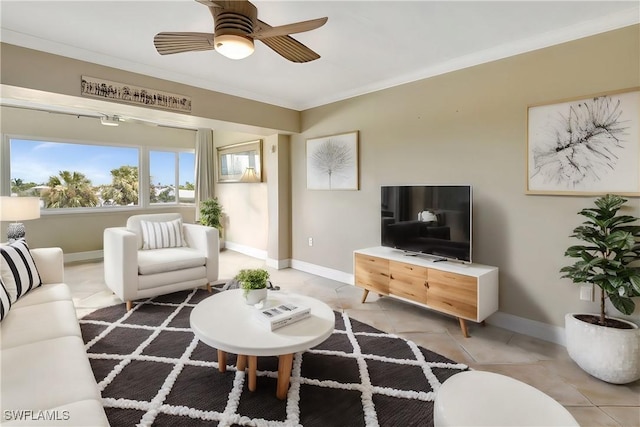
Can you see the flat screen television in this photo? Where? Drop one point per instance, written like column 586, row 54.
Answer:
column 428, row 219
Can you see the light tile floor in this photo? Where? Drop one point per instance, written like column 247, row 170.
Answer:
column 541, row 364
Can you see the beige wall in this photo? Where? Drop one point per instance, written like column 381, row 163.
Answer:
column 244, row 205
column 466, row 127
column 27, row 68
column 80, row 232
column 463, row 127
column 276, row 160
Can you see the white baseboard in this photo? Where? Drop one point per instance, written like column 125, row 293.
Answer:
column 278, row 264
column 532, row 328
column 260, row 254
column 318, row 270
column 247, row 250
column 83, row 256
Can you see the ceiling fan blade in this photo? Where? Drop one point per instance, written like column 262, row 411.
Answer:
column 290, row 49
column 239, row 6
column 169, row 43
column 284, row 30
column 209, row 3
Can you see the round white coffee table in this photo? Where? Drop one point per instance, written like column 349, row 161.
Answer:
column 225, row 322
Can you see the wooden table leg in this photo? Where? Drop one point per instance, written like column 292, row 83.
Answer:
column 241, row 364
column 463, row 326
column 364, row 295
column 285, row 362
column 222, row 361
column 253, row 367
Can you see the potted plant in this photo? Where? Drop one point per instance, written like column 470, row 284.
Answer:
column 211, row 216
column 253, row 283
column 606, row 347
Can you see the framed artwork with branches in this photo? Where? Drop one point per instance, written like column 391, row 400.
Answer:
column 588, row 146
column 332, row 162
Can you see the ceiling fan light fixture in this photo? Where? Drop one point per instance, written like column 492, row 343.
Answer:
column 233, row 46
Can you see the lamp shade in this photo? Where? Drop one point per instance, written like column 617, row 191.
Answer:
column 249, row 175
column 233, row 46
column 19, row 208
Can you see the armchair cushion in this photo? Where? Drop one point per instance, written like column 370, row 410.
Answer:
column 169, row 259
column 18, row 270
column 162, row 234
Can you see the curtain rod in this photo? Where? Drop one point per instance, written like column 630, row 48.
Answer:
column 97, row 116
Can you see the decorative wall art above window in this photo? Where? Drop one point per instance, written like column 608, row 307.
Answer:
column 588, row 146
column 120, row 92
column 332, row 162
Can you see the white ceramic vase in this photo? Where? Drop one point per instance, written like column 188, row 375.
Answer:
column 610, row 354
column 255, row 296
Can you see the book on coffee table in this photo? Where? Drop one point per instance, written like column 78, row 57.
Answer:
column 282, row 315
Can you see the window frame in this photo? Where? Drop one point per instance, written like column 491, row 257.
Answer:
column 143, row 173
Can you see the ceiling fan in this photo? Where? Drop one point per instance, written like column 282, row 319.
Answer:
column 236, row 26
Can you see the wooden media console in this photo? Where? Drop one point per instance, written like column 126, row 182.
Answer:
column 466, row 291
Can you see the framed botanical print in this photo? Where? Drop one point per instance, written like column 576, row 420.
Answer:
column 587, row 146
column 332, row 162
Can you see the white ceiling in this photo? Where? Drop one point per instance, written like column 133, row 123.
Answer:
column 365, row 45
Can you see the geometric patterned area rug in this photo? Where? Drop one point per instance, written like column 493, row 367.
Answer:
column 153, row 371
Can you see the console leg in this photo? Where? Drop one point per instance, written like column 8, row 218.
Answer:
column 463, row 327
column 364, row 295
column 222, row 361
column 129, row 305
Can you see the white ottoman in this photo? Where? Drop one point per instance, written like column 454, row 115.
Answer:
column 478, row 398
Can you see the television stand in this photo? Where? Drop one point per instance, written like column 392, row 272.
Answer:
column 466, row 291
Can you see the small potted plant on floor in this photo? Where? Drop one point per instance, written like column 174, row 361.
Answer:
column 606, row 347
column 253, row 283
column 211, row 216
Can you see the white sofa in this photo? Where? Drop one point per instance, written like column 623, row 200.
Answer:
column 46, row 378
column 132, row 272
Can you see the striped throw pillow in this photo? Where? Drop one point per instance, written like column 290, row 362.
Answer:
column 5, row 300
column 157, row 235
column 18, row 270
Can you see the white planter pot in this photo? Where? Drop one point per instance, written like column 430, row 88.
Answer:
column 610, row 354
column 255, row 296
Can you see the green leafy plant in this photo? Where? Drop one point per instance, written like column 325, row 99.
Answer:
column 211, row 213
column 609, row 257
column 255, row 278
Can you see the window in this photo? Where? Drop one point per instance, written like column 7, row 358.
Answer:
column 69, row 175
column 170, row 170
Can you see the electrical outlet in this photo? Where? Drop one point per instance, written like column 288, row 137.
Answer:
column 310, row 241
column 586, row 293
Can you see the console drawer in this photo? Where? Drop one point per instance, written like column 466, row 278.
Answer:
column 372, row 273
column 453, row 293
column 408, row 281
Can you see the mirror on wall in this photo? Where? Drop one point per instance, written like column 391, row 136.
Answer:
column 240, row 162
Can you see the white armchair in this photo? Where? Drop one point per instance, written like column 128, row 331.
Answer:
column 133, row 272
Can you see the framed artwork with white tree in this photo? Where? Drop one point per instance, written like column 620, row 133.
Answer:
column 588, row 146
column 332, row 162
